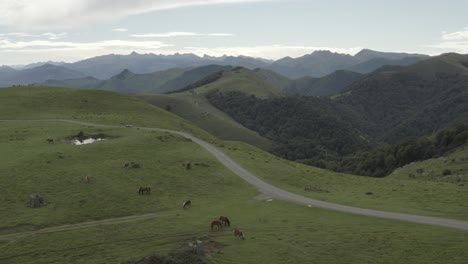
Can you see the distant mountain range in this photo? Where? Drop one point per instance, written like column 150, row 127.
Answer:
column 149, row 83
column 383, row 107
column 317, row 64
column 10, row 76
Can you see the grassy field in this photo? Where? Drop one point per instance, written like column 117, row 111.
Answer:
column 242, row 80
column 196, row 109
column 193, row 106
column 395, row 194
column 89, row 106
column 276, row 232
column 452, row 168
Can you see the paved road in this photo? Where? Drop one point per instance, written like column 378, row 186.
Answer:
column 281, row 194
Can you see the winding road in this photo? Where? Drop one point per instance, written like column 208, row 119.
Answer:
column 263, row 187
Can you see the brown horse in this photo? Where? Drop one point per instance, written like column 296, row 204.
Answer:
column 239, row 234
column 186, row 204
column 50, row 140
column 225, row 220
column 216, row 223
column 126, row 165
column 144, row 190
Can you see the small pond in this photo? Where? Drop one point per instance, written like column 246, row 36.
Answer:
column 87, row 141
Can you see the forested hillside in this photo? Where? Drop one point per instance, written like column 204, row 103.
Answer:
column 377, row 124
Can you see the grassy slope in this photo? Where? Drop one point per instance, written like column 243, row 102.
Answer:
column 88, row 105
column 243, row 80
column 196, row 109
column 192, row 106
column 391, row 194
column 432, row 169
column 277, row 232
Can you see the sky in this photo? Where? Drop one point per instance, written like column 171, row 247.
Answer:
column 72, row 30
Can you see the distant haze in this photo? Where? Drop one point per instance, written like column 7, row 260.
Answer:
column 73, row 30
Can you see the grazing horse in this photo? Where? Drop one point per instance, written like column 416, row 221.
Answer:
column 50, row 140
column 225, row 220
column 216, row 223
column 239, row 234
column 142, row 190
column 187, row 203
column 126, row 165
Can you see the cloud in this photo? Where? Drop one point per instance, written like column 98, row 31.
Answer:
column 179, row 34
column 46, row 45
column 17, row 34
column 452, row 42
column 54, row 36
column 34, row 14
column 120, row 30
column 458, row 35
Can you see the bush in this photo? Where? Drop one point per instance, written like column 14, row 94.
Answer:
column 446, row 172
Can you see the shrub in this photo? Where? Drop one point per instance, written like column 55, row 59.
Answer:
column 446, row 172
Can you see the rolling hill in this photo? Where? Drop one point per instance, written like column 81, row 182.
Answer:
column 109, row 217
column 191, row 104
column 149, row 83
column 415, row 100
column 329, row 85
column 104, row 67
column 384, row 107
column 9, row 76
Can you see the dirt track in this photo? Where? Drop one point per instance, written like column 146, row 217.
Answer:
column 262, row 186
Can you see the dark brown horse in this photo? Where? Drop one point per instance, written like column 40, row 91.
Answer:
column 239, row 234
column 225, row 220
column 50, row 140
column 187, row 204
column 216, row 223
column 144, row 190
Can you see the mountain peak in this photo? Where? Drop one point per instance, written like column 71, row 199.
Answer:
column 123, row 74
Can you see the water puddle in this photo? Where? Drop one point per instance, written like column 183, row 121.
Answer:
column 87, row 141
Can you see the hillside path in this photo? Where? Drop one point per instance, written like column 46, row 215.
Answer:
column 277, row 193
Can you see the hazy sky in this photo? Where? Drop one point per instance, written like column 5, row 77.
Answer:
column 71, row 30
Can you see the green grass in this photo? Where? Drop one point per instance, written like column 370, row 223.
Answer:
column 277, row 232
column 391, row 194
column 242, row 80
column 196, row 109
column 193, row 106
column 57, row 171
column 89, row 106
column 433, row 169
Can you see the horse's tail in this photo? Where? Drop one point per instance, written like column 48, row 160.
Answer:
column 228, row 222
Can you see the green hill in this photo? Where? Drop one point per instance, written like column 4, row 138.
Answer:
column 241, row 80
column 452, row 168
column 331, row 84
column 86, row 105
column 192, row 105
column 276, row 231
column 197, row 110
column 149, row 83
column 410, row 101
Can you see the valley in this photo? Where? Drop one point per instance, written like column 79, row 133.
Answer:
column 157, row 221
